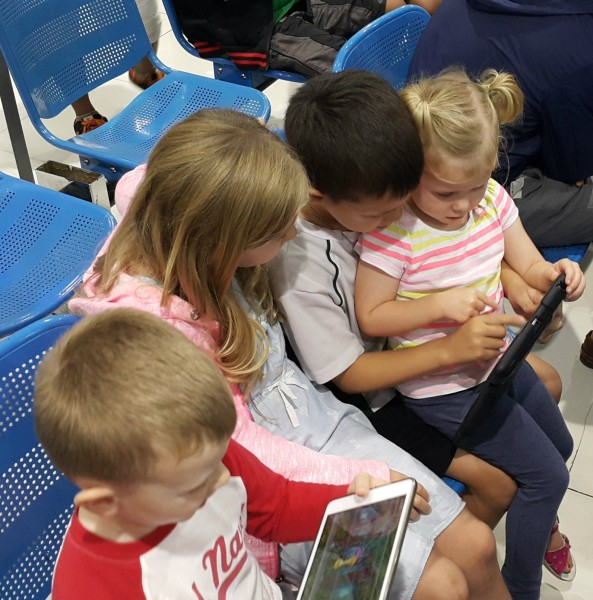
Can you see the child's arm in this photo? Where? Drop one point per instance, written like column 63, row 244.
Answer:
column 481, row 338
column 525, row 299
column 315, row 312
column 380, row 314
column 285, row 511
column 522, row 256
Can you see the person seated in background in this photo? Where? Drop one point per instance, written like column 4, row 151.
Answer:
column 548, row 161
column 141, row 420
column 291, row 35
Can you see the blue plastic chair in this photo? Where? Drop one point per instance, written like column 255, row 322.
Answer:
column 455, row 485
column 35, row 498
column 59, row 50
column 225, row 69
column 555, row 253
column 47, row 241
column 385, row 46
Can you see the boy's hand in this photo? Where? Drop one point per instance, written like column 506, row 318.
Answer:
column 526, row 299
column 523, row 298
column 421, row 505
column 481, row 338
column 575, row 281
column 364, row 482
column 461, row 304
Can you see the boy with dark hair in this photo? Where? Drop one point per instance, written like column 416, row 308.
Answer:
column 140, row 419
column 363, row 155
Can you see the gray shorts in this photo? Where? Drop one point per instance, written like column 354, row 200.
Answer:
column 307, row 42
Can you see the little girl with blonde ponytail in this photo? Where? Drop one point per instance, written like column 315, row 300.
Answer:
column 437, row 267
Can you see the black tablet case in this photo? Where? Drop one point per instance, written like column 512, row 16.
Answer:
column 515, row 354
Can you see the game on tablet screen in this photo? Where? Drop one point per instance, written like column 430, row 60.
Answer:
column 352, row 559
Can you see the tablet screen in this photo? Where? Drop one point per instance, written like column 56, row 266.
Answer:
column 353, row 555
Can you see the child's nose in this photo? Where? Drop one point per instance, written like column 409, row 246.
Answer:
column 462, row 205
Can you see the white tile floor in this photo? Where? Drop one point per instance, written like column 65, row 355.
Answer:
column 576, row 512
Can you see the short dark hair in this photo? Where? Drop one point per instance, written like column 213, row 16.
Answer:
column 355, row 136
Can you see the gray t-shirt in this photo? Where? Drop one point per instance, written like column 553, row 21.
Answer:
column 313, row 283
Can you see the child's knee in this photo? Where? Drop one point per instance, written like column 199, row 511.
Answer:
column 442, row 579
column 483, row 543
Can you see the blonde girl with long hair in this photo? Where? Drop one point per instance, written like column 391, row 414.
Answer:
column 216, row 201
column 437, row 267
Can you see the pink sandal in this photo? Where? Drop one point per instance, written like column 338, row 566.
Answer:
column 556, row 560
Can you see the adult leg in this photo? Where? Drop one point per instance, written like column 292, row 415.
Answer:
column 87, row 118
column 554, row 213
column 299, row 46
column 344, row 17
column 145, row 73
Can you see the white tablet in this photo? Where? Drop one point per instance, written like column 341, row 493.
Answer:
column 356, row 551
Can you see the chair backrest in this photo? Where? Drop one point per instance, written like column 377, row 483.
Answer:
column 47, row 241
column 35, row 498
column 59, row 50
column 385, row 46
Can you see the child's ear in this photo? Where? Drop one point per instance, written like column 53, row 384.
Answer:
column 98, row 499
column 315, row 195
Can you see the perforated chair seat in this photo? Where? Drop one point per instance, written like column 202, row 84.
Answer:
column 131, row 135
column 35, row 498
column 385, row 46
column 47, row 241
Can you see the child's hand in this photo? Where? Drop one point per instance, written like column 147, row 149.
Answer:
column 523, row 298
column 363, row 483
column 421, row 504
column 461, row 304
column 481, row 338
column 575, row 281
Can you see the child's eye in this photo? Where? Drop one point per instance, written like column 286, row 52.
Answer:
column 444, row 195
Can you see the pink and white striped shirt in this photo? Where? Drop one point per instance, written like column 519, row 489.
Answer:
column 428, row 260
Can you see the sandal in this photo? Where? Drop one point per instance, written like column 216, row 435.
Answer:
column 145, row 81
column 85, row 123
column 556, row 560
